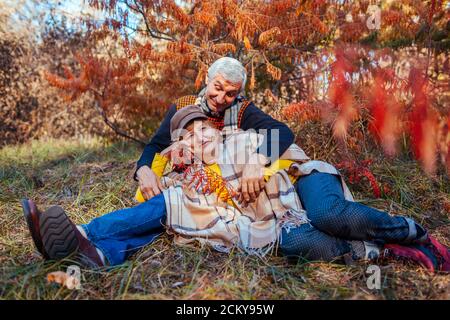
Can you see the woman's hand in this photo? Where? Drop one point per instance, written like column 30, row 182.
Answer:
column 252, row 181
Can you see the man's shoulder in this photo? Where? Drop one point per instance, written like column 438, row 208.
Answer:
column 185, row 101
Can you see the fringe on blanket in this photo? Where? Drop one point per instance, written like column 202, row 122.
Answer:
column 291, row 219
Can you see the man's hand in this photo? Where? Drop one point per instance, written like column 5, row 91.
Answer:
column 252, row 182
column 149, row 182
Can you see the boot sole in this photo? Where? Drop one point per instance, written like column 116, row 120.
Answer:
column 58, row 234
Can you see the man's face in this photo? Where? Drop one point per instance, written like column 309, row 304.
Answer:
column 203, row 140
column 220, row 93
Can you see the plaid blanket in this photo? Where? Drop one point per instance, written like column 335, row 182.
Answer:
column 196, row 216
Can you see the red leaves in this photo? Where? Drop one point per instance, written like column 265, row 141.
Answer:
column 206, row 181
column 444, row 142
column 391, row 114
column 423, row 122
column 355, row 172
column 339, row 92
column 385, row 110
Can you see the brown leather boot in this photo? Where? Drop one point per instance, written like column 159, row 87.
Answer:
column 32, row 216
column 61, row 239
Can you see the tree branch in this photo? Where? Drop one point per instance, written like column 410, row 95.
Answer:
column 114, row 127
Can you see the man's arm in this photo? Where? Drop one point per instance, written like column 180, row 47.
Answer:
column 254, row 118
column 159, row 141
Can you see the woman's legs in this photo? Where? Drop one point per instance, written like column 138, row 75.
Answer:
column 323, row 199
column 120, row 233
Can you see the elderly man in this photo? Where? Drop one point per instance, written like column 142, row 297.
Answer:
column 228, row 110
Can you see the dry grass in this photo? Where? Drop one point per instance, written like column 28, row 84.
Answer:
column 89, row 177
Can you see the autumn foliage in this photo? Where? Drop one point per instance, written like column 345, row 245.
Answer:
column 347, row 64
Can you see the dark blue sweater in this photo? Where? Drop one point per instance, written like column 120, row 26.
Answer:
column 252, row 118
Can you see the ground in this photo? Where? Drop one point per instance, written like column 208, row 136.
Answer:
column 89, row 177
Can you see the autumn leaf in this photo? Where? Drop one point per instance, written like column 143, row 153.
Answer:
column 247, row 44
column 64, row 279
column 268, row 36
column 275, row 72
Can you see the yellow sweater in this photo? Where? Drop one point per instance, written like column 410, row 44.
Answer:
column 159, row 164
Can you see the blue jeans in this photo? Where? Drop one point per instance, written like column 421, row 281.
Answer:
column 337, row 226
column 120, row 233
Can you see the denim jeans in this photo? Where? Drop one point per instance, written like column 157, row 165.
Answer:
column 338, row 226
column 120, row 233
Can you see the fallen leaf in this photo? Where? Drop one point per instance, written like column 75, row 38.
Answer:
column 64, row 279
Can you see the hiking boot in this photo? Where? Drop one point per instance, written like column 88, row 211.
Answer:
column 32, row 216
column 61, row 238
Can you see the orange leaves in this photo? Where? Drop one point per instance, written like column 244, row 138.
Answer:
column 72, row 85
column 178, row 47
column 247, row 44
column 180, row 52
column 201, row 75
column 176, row 11
column 223, row 48
column 318, row 25
column 267, row 37
column 391, row 17
column 252, row 77
column 206, row 181
column 275, row 72
column 55, row 80
column 111, row 82
column 301, row 112
column 207, row 15
column 144, row 52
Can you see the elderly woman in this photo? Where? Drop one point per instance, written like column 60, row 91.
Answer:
column 200, row 202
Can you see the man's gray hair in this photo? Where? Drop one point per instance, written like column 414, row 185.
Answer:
column 231, row 69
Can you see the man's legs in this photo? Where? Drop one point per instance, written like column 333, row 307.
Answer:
column 312, row 244
column 120, row 233
column 323, row 199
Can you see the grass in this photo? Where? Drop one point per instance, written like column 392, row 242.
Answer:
column 89, row 177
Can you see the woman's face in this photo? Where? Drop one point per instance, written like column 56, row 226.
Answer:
column 203, row 140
